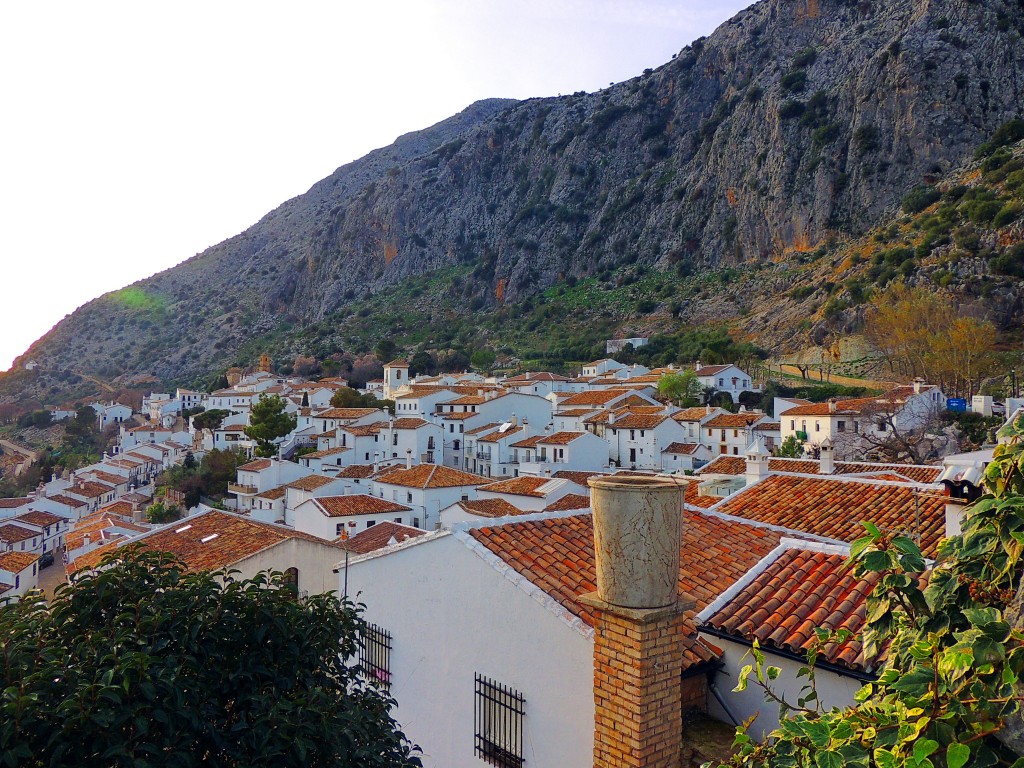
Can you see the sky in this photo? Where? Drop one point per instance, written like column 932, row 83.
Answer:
column 137, row 134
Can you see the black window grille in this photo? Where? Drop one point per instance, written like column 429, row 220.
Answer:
column 375, row 655
column 498, row 723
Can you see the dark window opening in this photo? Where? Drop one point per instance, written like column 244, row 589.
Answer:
column 498, row 723
column 375, row 655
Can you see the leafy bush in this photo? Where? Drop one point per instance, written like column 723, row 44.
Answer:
column 920, row 198
column 805, row 58
column 1008, row 214
column 791, row 108
column 794, row 82
column 867, row 138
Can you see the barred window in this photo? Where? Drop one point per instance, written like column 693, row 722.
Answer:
column 498, row 723
column 375, row 655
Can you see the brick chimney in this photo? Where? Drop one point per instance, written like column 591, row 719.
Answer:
column 638, row 636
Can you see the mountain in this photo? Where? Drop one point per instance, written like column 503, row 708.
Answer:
column 797, row 125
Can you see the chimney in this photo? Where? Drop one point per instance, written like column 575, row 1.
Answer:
column 757, row 458
column 831, row 405
column 408, row 458
column 611, row 418
column 954, row 515
column 919, row 384
column 514, row 421
column 638, row 635
column 828, row 458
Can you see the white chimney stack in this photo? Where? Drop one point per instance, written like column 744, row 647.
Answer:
column 757, row 460
column 828, row 459
column 408, row 458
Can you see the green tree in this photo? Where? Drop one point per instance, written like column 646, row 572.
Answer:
column 483, row 359
column 950, row 689
column 346, row 397
column 210, row 420
column 268, row 422
column 385, row 350
column 791, row 448
column 681, row 388
column 146, row 664
column 160, row 513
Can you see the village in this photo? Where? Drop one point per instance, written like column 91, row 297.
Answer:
column 462, row 518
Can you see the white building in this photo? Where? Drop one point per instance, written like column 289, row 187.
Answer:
column 19, row 573
column 729, row 379
column 330, row 516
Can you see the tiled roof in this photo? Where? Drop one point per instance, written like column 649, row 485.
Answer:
column 12, row 534
column 692, row 414
column 16, row 562
column 379, row 536
column 733, row 420
column 358, row 504
column 491, row 508
column 835, row 507
column 399, row 363
column 711, row 370
column 560, row 438
column 458, row 416
column 685, row 449
column 557, row 555
column 639, row 421
column 14, row 503
column 90, row 489
column 356, row 471
column 117, row 508
column 67, row 501
column 594, row 396
column 801, row 590
column 324, row 454
column 694, row 498
column 346, row 413
column 484, row 428
column 737, row 465
column 256, row 466
column 310, row 482
column 41, row 519
column 577, row 412
column 496, row 436
column 363, row 430
column 578, row 477
column 468, row 400
column 524, row 485
column 768, row 426
column 234, row 538
column 108, row 477
column 530, row 442
column 430, row 476
column 569, row 502
column 410, row 423
column 272, row 494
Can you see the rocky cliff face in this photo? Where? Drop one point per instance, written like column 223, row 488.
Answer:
column 796, row 123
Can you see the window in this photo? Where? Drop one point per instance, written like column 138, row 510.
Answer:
column 416, row 522
column 840, row 426
column 370, row 523
column 632, row 434
column 856, row 426
column 375, row 655
column 408, row 497
column 339, row 529
column 817, row 426
column 290, row 579
column 498, row 724
column 398, row 520
column 792, row 424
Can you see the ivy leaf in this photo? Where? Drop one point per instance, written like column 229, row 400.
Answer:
column 957, row 755
column 923, row 748
column 829, row 759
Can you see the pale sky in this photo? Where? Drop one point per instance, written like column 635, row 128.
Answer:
column 136, row 134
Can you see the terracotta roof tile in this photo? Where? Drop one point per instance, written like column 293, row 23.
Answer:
column 734, row 420
column 235, row 538
column 16, row 562
column 430, row 476
column 346, row 413
column 639, row 421
column 458, row 416
column 497, row 435
column 711, row 370
column 310, row 482
column 410, row 423
column 580, row 478
column 569, row 502
column 90, row 489
column 684, row 449
column 12, row 534
column 491, row 508
column 14, row 503
column 357, row 471
column 325, row 453
column 108, row 477
column 524, row 485
column 484, row 428
column 272, row 494
column 67, row 501
column 256, row 466
column 560, row 438
column 41, row 519
column 799, row 591
column 692, row 414
column 530, row 442
column 737, row 465
column 835, row 508
column 357, row 504
column 595, row 396
column 379, row 536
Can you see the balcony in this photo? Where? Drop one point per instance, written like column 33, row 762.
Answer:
column 242, row 490
column 483, row 455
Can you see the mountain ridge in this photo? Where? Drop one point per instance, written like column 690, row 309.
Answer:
column 794, row 125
